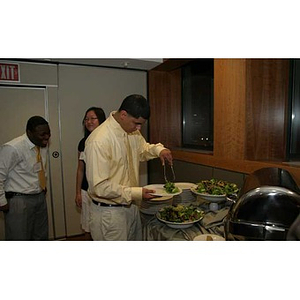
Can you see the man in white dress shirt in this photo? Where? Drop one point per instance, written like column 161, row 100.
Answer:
column 22, row 192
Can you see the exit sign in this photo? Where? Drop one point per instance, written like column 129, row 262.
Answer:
column 9, row 72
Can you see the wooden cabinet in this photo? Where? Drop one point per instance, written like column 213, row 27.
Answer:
column 250, row 114
column 229, row 108
column 164, row 93
column 267, row 84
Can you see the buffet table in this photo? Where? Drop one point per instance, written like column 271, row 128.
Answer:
column 212, row 223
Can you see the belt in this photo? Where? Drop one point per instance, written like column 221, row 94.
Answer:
column 109, row 205
column 9, row 195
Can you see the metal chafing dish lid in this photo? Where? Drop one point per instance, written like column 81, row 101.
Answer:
column 270, row 205
column 269, row 177
column 266, row 207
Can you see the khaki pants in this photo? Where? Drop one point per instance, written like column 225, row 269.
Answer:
column 115, row 223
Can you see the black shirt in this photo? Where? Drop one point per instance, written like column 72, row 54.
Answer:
column 84, row 185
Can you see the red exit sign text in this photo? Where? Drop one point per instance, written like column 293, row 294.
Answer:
column 9, row 72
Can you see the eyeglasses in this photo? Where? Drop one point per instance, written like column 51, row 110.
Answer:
column 92, row 119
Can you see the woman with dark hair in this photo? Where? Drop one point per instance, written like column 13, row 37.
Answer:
column 93, row 117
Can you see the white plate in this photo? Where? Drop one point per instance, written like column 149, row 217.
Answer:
column 203, row 237
column 161, row 191
column 160, row 198
column 210, row 198
column 176, row 225
column 185, row 185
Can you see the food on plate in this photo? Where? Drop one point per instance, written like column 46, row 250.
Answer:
column 216, row 187
column 180, row 213
column 171, row 188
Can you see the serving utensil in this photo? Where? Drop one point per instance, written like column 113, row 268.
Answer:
column 165, row 173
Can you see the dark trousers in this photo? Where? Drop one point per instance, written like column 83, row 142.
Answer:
column 27, row 218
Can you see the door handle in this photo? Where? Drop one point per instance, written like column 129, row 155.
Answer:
column 55, row 154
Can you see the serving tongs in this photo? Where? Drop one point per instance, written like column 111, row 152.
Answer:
column 165, row 173
column 232, row 197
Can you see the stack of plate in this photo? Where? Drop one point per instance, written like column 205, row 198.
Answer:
column 213, row 200
column 186, row 197
column 151, row 207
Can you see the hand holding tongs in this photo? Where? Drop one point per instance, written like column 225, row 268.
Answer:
column 165, row 175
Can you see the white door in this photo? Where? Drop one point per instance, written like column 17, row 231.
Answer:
column 18, row 104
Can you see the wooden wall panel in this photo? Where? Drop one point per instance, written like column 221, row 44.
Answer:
column 250, row 105
column 267, row 98
column 165, row 101
column 229, row 108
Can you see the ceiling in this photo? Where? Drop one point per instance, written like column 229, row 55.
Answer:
column 126, row 63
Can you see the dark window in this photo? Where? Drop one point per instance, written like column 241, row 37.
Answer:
column 293, row 151
column 197, row 104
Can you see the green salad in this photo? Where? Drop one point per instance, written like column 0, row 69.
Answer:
column 216, row 187
column 171, row 188
column 180, row 213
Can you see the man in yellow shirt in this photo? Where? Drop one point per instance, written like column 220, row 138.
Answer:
column 113, row 153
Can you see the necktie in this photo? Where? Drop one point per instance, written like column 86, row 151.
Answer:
column 41, row 173
column 132, row 178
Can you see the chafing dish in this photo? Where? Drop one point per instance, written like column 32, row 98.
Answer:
column 266, row 207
